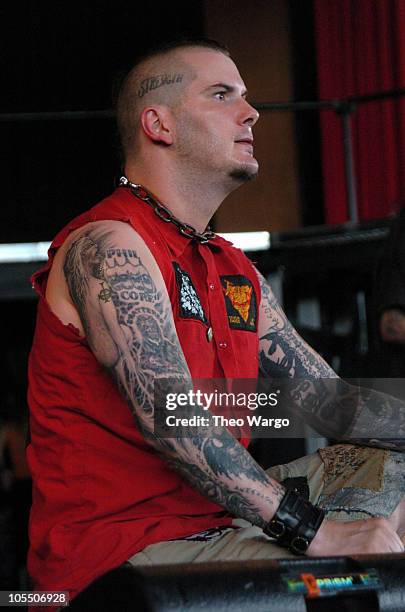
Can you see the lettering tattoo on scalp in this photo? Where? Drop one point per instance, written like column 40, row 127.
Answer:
column 129, row 328
column 158, row 80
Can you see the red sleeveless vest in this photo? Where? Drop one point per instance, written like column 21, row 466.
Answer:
column 100, row 492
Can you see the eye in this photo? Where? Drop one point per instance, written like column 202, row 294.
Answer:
column 220, row 95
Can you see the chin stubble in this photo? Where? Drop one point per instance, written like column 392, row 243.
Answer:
column 243, row 174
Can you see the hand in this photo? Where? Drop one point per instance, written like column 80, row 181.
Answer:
column 368, row 536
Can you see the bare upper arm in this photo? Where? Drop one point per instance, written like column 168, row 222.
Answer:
column 121, row 299
column 57, row 292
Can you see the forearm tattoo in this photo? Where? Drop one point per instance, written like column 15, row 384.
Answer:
column 129, row 327
column 333, row 407
column 282, row 351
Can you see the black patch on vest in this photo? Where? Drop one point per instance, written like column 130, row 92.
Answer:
column 189, row 302
column 240, row 301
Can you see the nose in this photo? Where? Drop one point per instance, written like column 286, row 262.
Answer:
column 248, row 114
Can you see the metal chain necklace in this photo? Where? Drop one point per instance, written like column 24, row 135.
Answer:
column 164, row 213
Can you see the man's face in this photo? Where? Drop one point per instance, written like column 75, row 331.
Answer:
column 213, row 122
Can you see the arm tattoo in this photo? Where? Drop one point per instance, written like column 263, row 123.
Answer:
column 282, row 351
column 129, row 327
column 125, row 325
column 330, row 405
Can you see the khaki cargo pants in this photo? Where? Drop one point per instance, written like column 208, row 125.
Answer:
column 349, row 482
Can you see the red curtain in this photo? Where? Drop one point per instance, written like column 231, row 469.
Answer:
column 361, row 50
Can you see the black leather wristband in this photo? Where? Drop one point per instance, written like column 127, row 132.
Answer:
column 295, row 523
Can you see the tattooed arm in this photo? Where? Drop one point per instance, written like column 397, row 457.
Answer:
column 119, row 293
column 331, row 406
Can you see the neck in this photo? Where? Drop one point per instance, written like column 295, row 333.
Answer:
column 192, row 198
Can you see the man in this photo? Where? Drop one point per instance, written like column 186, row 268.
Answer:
column 135, row 294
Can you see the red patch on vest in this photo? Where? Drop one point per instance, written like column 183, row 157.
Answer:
column 240, row 301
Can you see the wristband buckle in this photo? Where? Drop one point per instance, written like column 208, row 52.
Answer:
column 295, row 523
column 299, row 545
column 276, row 529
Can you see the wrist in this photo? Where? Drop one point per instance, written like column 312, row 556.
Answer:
column 317, row 546
column 295, row 523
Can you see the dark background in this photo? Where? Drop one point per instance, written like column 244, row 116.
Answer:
column 67, row 56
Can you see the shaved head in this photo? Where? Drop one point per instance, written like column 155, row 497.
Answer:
column 159, row 78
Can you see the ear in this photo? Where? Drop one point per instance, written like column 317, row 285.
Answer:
column 156, row 125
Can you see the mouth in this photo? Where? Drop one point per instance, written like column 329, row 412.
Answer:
column 247, row 143
column 245, row 140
